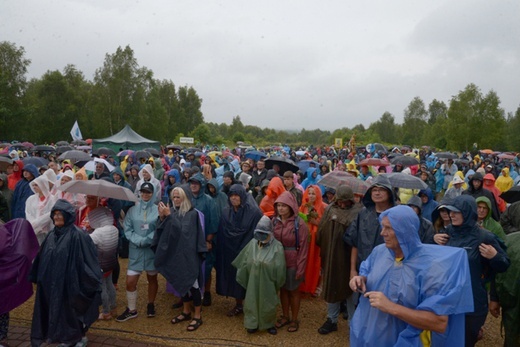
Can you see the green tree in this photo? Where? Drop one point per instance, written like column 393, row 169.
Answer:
column 385, row 128
column 189, row 115
column 201, row 133
column 436, row 109
column 120, row 90
column 13, row 82
column 414, row 123
column 472, row 118
column 56, row 101
column 513, row 129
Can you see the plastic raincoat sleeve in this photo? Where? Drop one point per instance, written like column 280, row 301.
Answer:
column 130, row 232
column 428, row 281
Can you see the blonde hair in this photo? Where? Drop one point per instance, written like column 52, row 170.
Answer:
column 185, row 202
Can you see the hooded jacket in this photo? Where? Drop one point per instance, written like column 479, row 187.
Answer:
column 429, row 206
column 180, row 248
column 284, row 231
column 37, row 209
column 261, row 271
column 139, row 225
column 221, row 199
column 235, row 231
column 205, row 204
column 16, row 176
column 22, row 192
column 156, row 184
column 68, row 278
column 274, row 190
column 488, row 222
column 504, row 182
column 309, row 179
column 510, row 219
column 364, row 232
column 489, row 184
column 426, row 230
column 334, row 252
column 429, row 278
column 469, row 236
column 168, row 185
column 475, row 193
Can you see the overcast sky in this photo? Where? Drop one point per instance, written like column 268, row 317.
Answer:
column 286, row 64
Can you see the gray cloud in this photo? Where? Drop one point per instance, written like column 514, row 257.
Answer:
column 290, row 64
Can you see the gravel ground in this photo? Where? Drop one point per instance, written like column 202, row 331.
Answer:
column 218, row 329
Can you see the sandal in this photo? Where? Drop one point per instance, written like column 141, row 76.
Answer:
column 181, row 318
column 238, row 309
column 294, row 325
column 281, row 322
column 105, row 316
column 194, row 326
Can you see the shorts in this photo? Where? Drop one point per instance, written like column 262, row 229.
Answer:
column 136, row 273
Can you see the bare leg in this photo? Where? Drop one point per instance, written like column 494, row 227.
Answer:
column 152, row 288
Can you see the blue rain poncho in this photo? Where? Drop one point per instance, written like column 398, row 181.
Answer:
column 430, row 278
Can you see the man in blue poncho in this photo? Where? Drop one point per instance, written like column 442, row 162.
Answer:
column 414, row 294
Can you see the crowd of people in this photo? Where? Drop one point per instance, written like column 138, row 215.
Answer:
column 271, row 235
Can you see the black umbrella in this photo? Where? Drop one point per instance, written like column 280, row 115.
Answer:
column 174, row 147
column 142, row 155
column 75, row 156
column 512, row 195
column 4, row 163
column 43, row 148
column 79, row 143
column 284, row 163
column 104, row 151
column 446, row 155
column 153, row 152
column 402, row 180
column 404, row 160
column 36, row 161
column 63, row 149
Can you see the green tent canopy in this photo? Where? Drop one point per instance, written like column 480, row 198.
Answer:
column 127, row 138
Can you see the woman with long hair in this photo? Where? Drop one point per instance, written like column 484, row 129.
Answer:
column 180, row 248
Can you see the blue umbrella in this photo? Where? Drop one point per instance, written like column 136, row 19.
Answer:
column 305, row 164
column 255, row 155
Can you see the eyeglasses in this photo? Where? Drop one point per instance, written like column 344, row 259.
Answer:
column 176, row 197
column 378, row 190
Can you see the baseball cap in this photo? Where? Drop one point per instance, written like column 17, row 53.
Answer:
column 451, row 208
column 147, row 187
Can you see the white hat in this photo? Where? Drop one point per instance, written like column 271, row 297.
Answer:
column 457, row 180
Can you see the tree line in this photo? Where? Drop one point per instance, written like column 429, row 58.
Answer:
column 42, row 110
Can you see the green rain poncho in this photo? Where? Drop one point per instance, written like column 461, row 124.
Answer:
column 508, row 290
column 261, row 271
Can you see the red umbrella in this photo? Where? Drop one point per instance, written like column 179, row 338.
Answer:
column 27, row 145
column 374, row 162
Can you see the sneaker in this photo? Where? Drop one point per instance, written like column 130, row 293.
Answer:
column 150, row 310
column 123, row 317
column 328, row 327
column 207, row 299
column 82, row 342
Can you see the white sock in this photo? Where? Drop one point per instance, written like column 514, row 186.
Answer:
column 132, row 300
